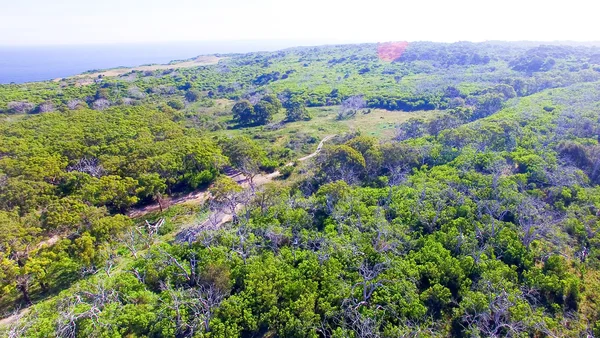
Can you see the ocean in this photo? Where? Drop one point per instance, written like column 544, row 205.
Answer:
column 39, row 63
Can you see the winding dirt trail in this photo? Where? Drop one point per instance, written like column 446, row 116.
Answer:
column 202, row 195
column 327, row 138
column 215, row 219
column 13, row 318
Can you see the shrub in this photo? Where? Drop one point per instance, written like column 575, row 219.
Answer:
column 176, row 104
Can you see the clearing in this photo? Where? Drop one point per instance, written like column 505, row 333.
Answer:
column 379, row 123
column 206, row 60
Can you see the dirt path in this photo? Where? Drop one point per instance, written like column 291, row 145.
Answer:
column 215, row 219
column 218, row 218
column 200, row 196
column 327, row 138
column 7, row 321
column 195, row 196
column 49, row 242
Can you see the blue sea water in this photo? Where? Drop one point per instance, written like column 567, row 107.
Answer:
column 38, row 63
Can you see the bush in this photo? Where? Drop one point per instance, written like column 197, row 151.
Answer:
column 287, row 171
column 176, row 104
column 268, row 165
column 193, row 95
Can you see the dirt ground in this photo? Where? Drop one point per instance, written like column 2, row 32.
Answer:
column 199, row 61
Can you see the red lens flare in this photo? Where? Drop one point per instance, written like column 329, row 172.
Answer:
column 391, row 51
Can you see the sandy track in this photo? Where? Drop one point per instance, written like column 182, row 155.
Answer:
column 327, row 138
column 218, row 218
column 200, row 196
column 215, row 219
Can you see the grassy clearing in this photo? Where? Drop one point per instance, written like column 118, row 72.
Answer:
column 12, row 118
column 378, row 123
column 199, row 61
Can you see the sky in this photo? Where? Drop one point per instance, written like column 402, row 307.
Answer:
column 52, row 22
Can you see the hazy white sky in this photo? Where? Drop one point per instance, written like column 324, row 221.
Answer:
column 28, row 22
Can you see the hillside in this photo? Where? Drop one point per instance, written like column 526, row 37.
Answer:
column 372, row 190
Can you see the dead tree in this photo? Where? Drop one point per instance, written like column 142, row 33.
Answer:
column 346, row 174
column 229, row 203
column 595, row 167
column 153, row 229
column 351, row 106
column 110, row 262
column 208, row 237
column 338, row 211
column 89, row 166
column 101, row 104
column 369, row 274
column 158, row 197
column 206, row 299
column 243, row 247
column 274, row 239
column 351, row 316
column 46, row 107
column 178, row 303
column 140, row 276
column 363, row 326
column 535, row 220
column 74, row 104
column 131, row 238
column 199, row 303
column 70, row 312
column 23, row 322
column 249, row 167
column 149, row 231
column 495, row 210
column 495, row 320
column 20, row 107
column 396, row 175
column 189, row 273
column 412, row 128
column 431, row 204
column 383, row 241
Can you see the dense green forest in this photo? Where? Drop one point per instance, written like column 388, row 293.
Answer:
column 451, row 191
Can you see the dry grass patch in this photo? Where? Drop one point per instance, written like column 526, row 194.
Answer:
column 206, row 60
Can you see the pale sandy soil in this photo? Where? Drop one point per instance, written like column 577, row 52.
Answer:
column 199, row 61
column 216, row 219
column 200, row 196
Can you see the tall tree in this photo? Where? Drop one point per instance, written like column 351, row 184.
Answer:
column 243, row 112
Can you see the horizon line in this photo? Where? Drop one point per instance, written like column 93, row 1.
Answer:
column 318, row 42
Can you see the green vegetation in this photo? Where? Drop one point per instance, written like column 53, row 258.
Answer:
column 244, row 113
column 460, row 196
